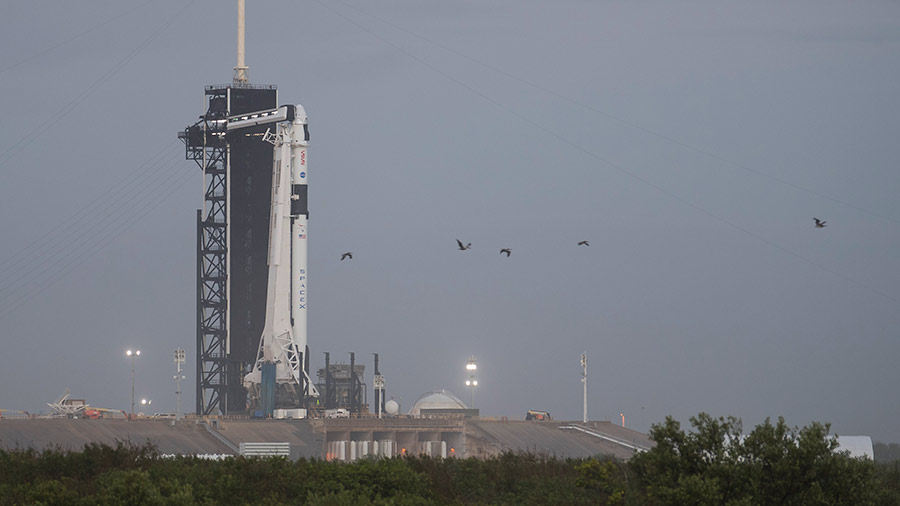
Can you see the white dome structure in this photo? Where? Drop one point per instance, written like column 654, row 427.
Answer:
column 438, row 399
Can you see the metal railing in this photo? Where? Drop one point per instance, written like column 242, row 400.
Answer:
column 243, row 86
column 221, row 438
column 634, row 446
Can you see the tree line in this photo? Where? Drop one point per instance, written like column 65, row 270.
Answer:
column 711, row 464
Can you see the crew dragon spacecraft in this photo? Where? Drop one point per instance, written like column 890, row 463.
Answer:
column 280, row 376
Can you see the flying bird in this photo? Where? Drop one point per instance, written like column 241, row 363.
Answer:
column 348, row 254
column 583, row 243
column 819, row 223
column 463, row 248
column 507, row 251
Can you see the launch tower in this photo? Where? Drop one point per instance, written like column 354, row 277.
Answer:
column 233, row 235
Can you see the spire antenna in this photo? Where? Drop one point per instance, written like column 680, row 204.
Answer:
column 240, row 71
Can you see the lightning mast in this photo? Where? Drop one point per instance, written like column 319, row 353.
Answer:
column 241, row 76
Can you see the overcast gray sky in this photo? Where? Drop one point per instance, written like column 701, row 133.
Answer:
column 690, row 142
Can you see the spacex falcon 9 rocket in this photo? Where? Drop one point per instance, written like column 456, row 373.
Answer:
column 283, row 343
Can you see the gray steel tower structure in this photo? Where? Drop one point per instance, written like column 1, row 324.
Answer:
column 232, row 242
column 232, row 236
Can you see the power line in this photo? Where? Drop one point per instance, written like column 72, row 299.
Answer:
column 74, row 233
column 49, row 268
column 631, row 124
column 76, row 262
column 111, row 233
column 72, row 38
column 610, row 163
column 71, row 105
column 68, row 226
column 148, row 186
column 67, row 244
column 43, row 268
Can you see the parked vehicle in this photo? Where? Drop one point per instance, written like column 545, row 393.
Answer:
column 541, row 416
column 337, row 413
column 91, row 413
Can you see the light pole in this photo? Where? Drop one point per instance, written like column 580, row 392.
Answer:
column 584, row 418
column 179, row 359
column 471, row 382
column 133, row 354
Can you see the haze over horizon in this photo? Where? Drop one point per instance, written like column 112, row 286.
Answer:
column 692, row 143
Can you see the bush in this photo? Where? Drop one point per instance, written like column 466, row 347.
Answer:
column 712, row 464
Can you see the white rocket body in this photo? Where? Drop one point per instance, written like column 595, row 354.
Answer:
column 284, row 337
column 299, row 219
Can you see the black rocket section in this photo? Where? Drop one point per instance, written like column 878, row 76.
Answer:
column 299, row 200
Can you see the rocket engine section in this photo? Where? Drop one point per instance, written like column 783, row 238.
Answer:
column 279, row 378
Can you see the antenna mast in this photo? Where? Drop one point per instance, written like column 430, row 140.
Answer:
column 584, row 418
column 179, row 359
column 240, row 71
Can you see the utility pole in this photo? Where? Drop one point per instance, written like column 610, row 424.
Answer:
column 472, row 381
column 133, row 354
column 179, row 359
column 379, row 388
column 584, row 382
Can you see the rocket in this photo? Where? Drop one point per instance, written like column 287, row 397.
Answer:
column 299, row 220
column 284, row 338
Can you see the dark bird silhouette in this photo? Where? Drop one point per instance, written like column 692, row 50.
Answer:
column 583, row 243
column 347, row 255
column 463, row 248
column 507, row 251
column 819, row 223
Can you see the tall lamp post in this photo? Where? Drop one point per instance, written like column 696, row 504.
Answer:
column 471, row 382
column 133, row 354
column 179, row 359
column 584, row 418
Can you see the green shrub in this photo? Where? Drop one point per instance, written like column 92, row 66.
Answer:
column 774, row 464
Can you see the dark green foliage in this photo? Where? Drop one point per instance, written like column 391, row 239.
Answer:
column 608, row 478
column 136, row 475
column 774, row 464
column 508, row 479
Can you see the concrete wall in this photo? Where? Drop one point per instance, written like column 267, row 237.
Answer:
column 335, row 439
